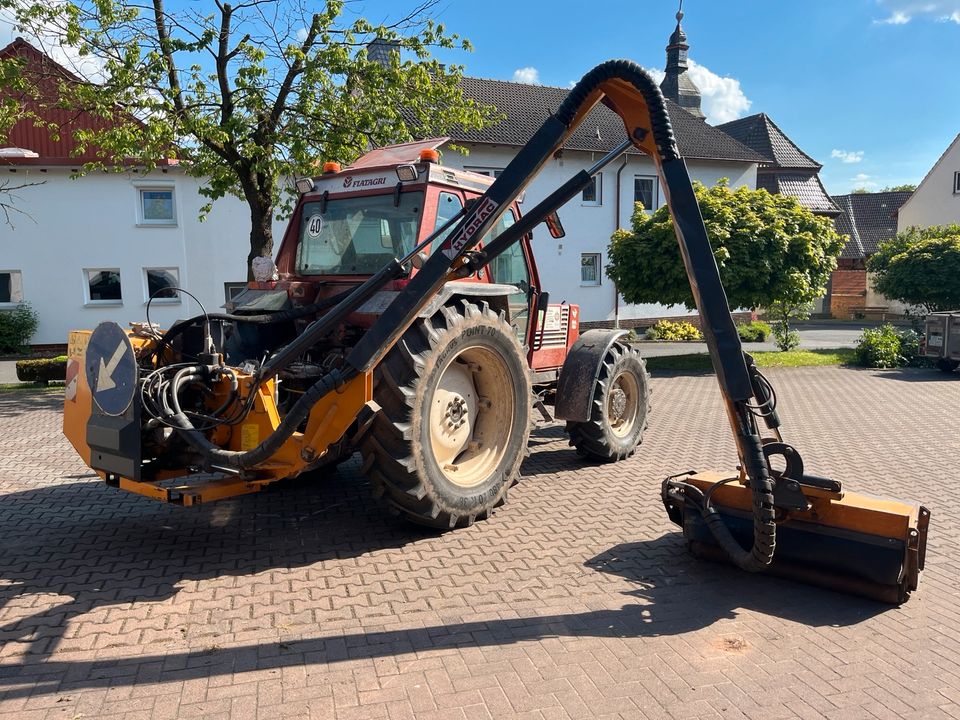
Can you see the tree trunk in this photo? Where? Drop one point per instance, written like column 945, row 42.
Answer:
column 258, row 192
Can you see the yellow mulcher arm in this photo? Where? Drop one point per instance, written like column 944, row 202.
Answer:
column 760, row 519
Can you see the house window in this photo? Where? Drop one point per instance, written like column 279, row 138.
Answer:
column 590, row 269
column 956, row 183
column 162, row 283
column 488, row 171
column 11, row 287
column 592, row 194
column 156, row 206
column 646, row 190
column 102, row 286
column 232, row 289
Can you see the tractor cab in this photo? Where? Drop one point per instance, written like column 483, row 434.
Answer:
column 353, row 221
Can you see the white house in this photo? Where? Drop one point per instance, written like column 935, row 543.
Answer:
column 95, row 248
column 936, row 201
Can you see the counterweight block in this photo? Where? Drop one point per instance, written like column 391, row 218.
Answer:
column 849, row 542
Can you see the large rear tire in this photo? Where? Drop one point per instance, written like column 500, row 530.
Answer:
column 454, row 424
column 618, row 411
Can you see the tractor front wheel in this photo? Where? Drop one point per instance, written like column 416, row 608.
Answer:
column 618, row 411
column 455, row 404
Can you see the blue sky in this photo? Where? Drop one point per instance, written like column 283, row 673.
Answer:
column 866, row 87
column 873, row 80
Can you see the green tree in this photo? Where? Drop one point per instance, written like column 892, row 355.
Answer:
column 770, row 250
column 920, row 266
column 250, row 96
column 906, row 187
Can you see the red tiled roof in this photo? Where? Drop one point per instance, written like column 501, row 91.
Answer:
column 44, row 76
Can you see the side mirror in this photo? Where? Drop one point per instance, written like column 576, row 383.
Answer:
column 554, row 225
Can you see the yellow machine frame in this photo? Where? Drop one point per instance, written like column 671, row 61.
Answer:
column 329, row 419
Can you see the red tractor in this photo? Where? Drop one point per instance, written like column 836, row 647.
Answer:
column 454, row 393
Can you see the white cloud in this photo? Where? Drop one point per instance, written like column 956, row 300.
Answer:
column 898, row 18
column 862, row 180
column 903, row 11
column 723, row 99
column 847, row 156
column 656, row 74
column 527, row 75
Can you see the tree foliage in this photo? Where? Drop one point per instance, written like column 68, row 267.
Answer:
column 920, row 266
column 253, row 94
column 768, row 248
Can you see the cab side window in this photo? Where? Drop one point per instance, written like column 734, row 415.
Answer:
column 510, row 268
column 448, row 205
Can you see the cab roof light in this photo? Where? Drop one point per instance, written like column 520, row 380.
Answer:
column 430, row 155
column 304, row 185
column 331, row 167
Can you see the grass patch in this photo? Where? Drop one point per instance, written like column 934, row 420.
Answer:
column 700, row 362
column 14, row 387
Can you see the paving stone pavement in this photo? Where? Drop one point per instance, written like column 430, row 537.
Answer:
column 577, row 599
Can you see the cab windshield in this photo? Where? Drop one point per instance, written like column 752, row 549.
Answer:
column 357, row 236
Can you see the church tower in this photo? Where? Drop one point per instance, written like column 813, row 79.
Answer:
column 677, row 85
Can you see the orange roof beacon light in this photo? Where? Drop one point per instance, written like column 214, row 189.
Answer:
column 430, row 155
column 331, row 167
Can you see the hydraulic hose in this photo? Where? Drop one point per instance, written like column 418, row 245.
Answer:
column 761, row 553
column 243, row 460
column 628, row 71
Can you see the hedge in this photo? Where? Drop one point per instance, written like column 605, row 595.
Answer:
column 43, row 370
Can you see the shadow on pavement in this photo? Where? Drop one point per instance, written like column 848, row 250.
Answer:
column 74, row 541
column 14, row 403
column 923, row 375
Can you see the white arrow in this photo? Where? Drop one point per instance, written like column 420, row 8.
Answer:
column 104, row 377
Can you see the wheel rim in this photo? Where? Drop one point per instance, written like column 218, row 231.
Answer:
column 471, row 416
column 623, row 404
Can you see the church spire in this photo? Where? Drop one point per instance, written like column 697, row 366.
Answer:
column 677, row 85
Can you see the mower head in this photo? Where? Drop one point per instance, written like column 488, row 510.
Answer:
column 845, row 541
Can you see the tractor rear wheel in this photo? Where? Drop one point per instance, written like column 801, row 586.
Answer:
column 618, row 411
column 455, row 402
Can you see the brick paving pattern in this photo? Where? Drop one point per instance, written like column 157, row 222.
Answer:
column 577, row 599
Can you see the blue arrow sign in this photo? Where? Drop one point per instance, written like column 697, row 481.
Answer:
column 111, row 368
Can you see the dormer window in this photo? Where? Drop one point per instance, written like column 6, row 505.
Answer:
column 956, row 183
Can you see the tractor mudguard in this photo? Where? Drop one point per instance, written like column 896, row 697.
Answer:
column 580, row 372
column 495, row 294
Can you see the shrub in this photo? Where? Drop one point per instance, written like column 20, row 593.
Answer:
column 679, row 331
column 782, row 314
column 756, row 331
column 43, row 370
column 887, row 347
column 17, row 326
column 785, row 338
